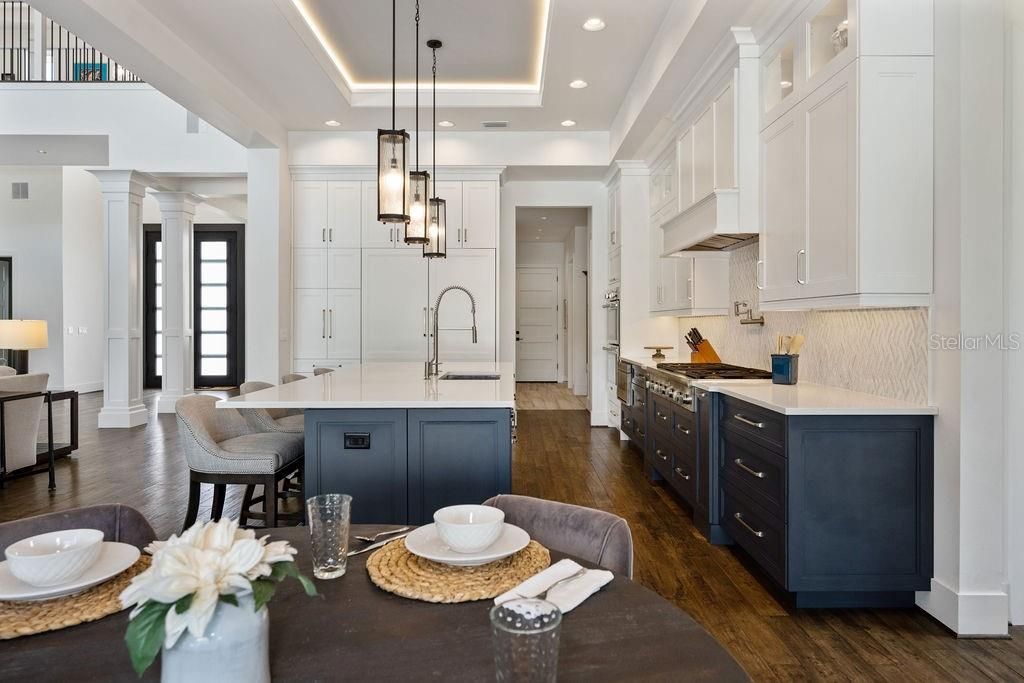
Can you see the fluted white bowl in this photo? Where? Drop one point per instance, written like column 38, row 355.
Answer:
column 54, row 558
column 469, row 528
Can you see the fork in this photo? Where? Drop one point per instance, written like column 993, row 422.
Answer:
column 377, row 537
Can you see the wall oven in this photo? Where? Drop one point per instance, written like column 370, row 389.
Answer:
column 612, row 327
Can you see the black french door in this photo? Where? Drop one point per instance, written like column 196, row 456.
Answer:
column 152, row 320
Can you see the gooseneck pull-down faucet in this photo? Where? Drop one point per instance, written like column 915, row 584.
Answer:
column 433, row 366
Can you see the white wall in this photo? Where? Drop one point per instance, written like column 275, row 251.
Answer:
column 83, row 294
column 592, row 195
column 204, row 213
column 30, row 232
column 577, row 245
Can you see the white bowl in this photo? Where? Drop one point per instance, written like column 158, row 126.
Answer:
column 54, row 558
column 469, row 528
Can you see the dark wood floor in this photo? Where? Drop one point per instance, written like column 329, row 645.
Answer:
column 560, row 457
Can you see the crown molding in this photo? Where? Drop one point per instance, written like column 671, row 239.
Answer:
column 365, row 172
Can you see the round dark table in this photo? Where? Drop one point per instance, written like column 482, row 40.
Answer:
column 356, row 631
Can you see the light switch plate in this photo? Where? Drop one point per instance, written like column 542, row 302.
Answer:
column 71, row 330
column 83, row 330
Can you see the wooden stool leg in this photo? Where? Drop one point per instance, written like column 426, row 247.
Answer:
column 194, row 489
column 243, row 515
column 219, row 490
column 300, row 478
column 270, row 501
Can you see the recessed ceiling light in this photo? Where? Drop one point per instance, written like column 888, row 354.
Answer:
column 332, row 122
column 543, row 218
column 445, row 124
column 578, row 84
column 593, row 24
column 568, row 123
column 786, row 84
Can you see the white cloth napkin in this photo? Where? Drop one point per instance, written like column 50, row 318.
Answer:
column 566, row 596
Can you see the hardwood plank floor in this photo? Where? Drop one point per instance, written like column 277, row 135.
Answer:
column 559, row 456
column 547, row 396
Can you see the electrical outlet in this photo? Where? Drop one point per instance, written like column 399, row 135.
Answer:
column 83, row 330
column 71, row 330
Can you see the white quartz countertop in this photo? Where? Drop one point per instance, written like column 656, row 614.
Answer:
column 805, row 398
column 388, row 385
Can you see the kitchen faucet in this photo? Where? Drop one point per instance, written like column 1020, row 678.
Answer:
column 433, row 367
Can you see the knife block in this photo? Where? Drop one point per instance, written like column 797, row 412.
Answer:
column 705, row 353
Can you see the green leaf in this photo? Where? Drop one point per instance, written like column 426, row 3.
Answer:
column 279, row 570
column 230, row 599
column 145, row 635
column 183, row 604
column 307, row 584
column 262, row 592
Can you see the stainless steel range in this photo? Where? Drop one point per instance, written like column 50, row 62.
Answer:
column 672, row 380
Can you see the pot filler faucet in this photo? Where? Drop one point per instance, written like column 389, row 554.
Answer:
column 433, row 366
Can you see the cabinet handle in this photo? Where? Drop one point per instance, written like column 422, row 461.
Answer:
column 330, row 327
column 641, row 432
column 330, row 234
column 627, row 422
column 323, row 323
column 684, row 476
column 739, row 518
column 640, row 403
column 758, row 274
column 465, row 236
column 660, row 415
column 746, row 420
column 323, row 235
column 689, row 288
column 683, row 429
column 749, row 470
column 660, row 454
column 426, row 321
column 801, row 258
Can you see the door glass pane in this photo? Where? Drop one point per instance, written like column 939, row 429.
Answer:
column 159, row 321
column 213, row 296
column 214, row 251
column 158, row 294
column 159, row 366
column 214, row 344
column 159, row 277
column 159, row 346
column 213, row 367
column 159, row 250
column 214, row 321
column 213, row 272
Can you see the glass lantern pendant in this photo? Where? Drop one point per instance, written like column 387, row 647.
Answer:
column 416, row 228
column 393, row 157
column 437, row 230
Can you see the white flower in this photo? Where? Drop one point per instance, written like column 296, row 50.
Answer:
column 207, row 561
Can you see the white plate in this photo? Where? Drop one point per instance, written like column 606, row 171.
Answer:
column 114, row 558
column 425, row 543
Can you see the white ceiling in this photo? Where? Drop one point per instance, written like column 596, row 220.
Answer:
column 272, row 48
column 548, row 224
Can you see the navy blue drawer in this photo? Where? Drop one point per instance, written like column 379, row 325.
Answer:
column 764, row 426
column 759, row 533
column 761, row 473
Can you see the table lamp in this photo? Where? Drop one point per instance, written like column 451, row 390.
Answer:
column 20, row 336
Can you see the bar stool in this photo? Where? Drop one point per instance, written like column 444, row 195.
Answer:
column 292, row 377
column 322, row 371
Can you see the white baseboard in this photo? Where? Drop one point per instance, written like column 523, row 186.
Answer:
column 122, row 418
column 967, row 614
column 87, row 387
column 165, row 402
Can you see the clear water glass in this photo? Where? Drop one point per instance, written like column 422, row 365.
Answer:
column 525, row 636
column 329, row 517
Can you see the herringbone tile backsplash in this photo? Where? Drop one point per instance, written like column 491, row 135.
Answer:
column 878, row 351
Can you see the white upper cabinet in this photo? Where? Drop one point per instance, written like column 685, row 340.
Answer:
column 309, row 213
column 394, row 305
column 664, row 189
column 344, row 214
column 343, row 269
column 691, row 283
column 451, row 192
column 704, row 154
column 474, row 269
column 685, row 163
column 614, row 218
column 377, row 235
column 479, row 216
column 846, row 161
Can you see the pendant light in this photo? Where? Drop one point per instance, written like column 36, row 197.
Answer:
column 437, row 239
column 416, row 228
column 393, row 156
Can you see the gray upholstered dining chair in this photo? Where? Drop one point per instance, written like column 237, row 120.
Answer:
column 117, row 522
column 322, row 371
column 271, row 419
column 222, row 447
column 21, row 419
column 6, row 370
column 292, row 377
column 593, row 535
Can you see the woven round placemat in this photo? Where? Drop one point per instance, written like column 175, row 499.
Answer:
column 26, row 618
column 394, row 569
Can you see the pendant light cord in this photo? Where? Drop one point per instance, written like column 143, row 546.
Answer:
column 394, row 72
column 434, row 114
column 417, row 86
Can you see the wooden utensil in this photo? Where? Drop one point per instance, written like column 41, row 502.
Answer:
column 796, row 344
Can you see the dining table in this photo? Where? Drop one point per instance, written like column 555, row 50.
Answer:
column 355, row 631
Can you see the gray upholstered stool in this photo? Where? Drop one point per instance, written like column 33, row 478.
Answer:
column 593, row 535
column 271, row 419
column 222, row 448
column 117, row 522
column 292, row 377
column 322, row 371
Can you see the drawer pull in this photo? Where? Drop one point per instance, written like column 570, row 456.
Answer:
column 641, row 432
column 739, row 518
column 660, row 454
column 627, row 422
column 684, row 476
column 749, row 470
column 747, row 420
column 640, row 404
column 683, row 429
column 660, row 415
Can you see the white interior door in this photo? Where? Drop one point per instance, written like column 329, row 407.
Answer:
column 537, row 324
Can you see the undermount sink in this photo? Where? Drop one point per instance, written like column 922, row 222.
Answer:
column 471, row 375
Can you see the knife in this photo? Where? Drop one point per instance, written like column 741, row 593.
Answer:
column 378, row 544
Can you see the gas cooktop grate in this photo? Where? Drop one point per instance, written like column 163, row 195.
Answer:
column 714, row 371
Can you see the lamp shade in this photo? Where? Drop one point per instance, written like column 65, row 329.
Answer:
column 437, row 238
column 416, row 228
column 22, row 335
column 392, row 176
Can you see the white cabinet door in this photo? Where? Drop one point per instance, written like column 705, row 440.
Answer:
column 394, row 305
column 613, row 218
column 782, row 206
column 615, row 267
column 681, row 296
column 309, row 268
column 479, row 215
column 474, row 269
column 343, row 268
column 725, row 139
column 685, row 151
column 829, row 266
column 451, row 192
column 309, row 213
column 704, row 155
column 709, row 288
column 376, row 235
column 344, row 213
column 310, row 320
column 343, row 323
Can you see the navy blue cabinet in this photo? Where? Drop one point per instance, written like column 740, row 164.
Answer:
column 399, row 466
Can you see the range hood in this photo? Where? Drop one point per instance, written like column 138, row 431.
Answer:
column 711, row 224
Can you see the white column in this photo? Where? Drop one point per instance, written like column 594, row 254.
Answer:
column 177, row 211
column 123, row 192
column 37, row 51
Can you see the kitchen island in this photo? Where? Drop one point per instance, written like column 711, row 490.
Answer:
column 402, row 446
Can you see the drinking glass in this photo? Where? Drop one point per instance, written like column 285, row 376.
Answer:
column 525, row 636
column 329, row 517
